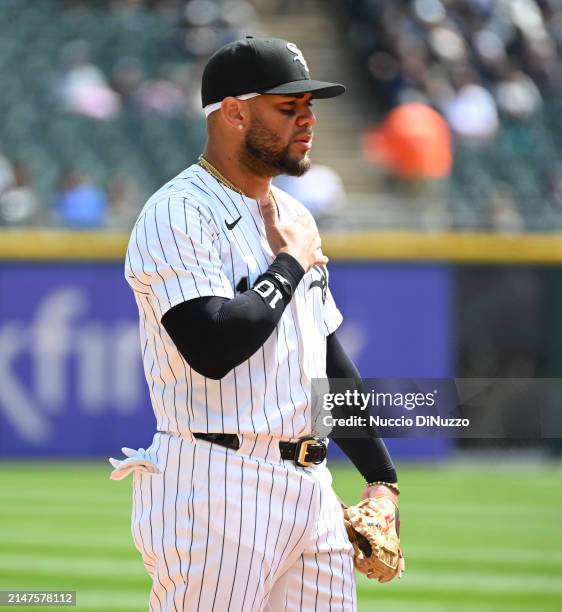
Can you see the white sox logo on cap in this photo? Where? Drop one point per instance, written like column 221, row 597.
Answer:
column 299, row 57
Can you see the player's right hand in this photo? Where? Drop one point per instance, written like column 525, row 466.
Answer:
column 299, row 238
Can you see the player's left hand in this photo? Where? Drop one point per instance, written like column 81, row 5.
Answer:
column 372, row 529
column 382, row 491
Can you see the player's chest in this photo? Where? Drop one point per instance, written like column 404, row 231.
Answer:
column 244, row 251
column 245, row 254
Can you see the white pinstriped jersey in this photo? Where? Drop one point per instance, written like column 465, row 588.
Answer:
column 181, row 248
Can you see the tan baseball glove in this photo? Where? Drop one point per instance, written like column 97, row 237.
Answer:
column 373, row 529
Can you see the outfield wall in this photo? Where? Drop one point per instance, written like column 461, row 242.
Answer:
column 71, row 381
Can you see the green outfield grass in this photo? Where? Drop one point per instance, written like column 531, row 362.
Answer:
column 485, row 537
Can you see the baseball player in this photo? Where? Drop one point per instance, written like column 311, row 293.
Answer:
column 233, row 507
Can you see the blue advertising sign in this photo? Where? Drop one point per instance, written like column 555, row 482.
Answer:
column 71, row 378
column 71, row 381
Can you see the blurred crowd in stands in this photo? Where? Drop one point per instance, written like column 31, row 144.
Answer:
column 77, row 203
column 493, row 70
column 101, row 102
column 472, row 59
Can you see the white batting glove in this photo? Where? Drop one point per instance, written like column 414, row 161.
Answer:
column 137, row 461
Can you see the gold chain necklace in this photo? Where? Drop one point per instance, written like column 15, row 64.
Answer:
column 208, row 166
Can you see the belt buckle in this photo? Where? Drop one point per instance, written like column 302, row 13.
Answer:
column 302, row 450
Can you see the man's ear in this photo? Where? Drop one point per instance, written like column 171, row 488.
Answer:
column 233, row 112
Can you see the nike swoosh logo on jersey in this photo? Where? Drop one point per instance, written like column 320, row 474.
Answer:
column 232, row 224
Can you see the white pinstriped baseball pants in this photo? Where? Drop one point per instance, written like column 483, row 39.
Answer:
column 242, row 531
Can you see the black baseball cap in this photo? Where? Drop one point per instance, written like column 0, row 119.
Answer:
column 260, row 65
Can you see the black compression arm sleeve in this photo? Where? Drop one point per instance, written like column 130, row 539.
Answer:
column 367, row 452
column 216, row 334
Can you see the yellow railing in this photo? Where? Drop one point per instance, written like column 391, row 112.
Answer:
column 455, row 247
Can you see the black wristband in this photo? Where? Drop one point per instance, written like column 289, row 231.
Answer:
column 284, row 274
column 289, row 268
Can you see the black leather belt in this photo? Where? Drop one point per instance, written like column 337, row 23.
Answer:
column 305, row 452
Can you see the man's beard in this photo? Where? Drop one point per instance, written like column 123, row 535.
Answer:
column 263, row 154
